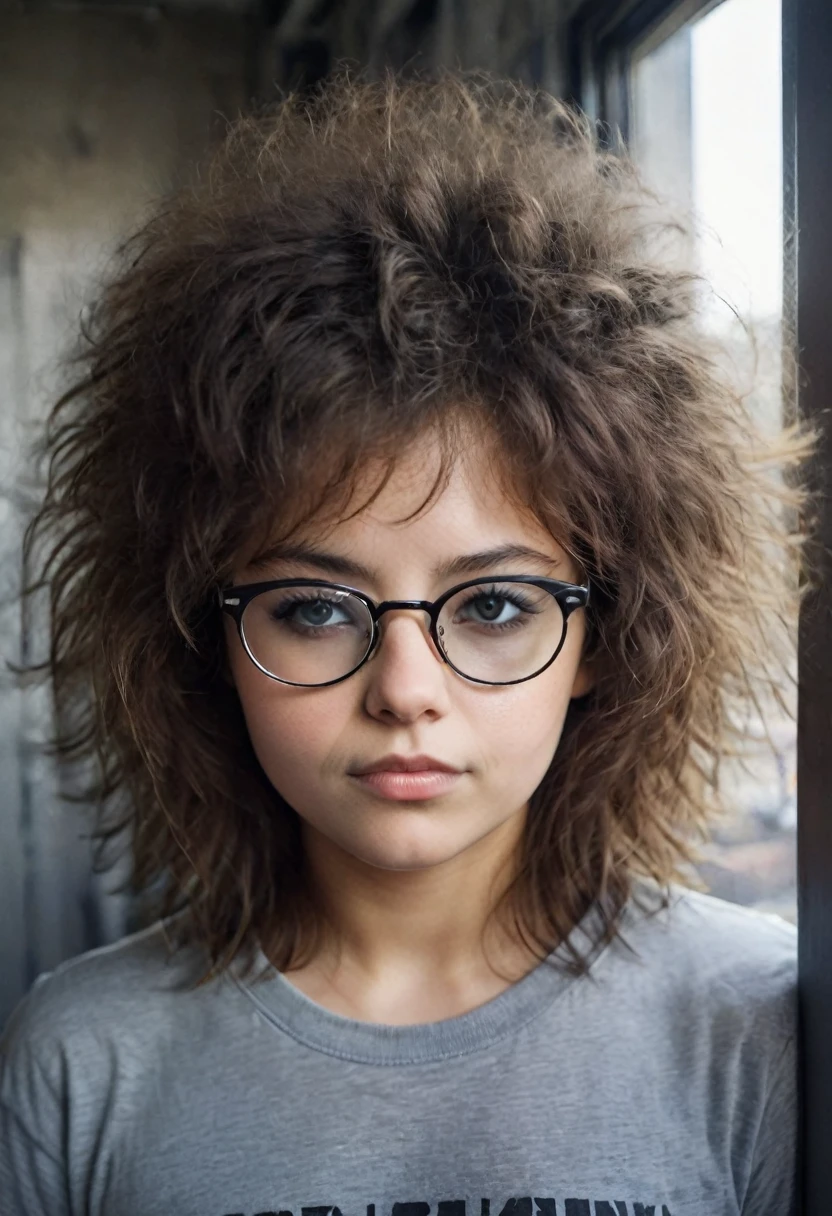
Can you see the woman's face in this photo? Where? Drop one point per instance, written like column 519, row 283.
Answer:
column 405, row 700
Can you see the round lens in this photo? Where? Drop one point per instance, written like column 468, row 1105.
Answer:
column 307, row 634
column 501, row 632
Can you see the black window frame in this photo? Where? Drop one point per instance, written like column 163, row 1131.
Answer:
column 601, row 37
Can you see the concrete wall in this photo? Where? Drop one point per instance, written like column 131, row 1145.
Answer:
column 100, row 112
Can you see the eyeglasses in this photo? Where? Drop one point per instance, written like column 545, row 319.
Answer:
column 313, row 633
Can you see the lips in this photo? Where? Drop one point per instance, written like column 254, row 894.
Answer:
column 422, row 786
column 406, row 764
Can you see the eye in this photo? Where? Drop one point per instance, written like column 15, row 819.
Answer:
column 313, row 611
column 496, row 606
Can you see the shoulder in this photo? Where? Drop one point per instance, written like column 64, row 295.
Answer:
column 107, row 1026
column 722, row 988
column 108, row 991
column 737, row 966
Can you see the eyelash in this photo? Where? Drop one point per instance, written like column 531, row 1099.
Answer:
column 516, row 598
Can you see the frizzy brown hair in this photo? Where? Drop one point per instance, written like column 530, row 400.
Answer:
column 353, row 270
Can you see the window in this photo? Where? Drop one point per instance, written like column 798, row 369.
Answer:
column 706, row 126
column 621, row 70
column 701, row 99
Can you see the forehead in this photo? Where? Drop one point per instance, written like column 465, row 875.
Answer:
column 414, row 508
column 473, row 495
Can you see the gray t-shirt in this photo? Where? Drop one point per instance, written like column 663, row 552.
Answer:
column 663, row 1084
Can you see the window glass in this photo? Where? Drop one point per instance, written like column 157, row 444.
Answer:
column 706, row 129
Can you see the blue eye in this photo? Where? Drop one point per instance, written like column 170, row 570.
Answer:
column 494, row 601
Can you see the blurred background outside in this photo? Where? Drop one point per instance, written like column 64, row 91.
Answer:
column 707, row 129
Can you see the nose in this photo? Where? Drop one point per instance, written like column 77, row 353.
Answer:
column 399, row 607
column 404, row 681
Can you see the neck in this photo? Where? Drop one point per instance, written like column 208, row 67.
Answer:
column 413, row 943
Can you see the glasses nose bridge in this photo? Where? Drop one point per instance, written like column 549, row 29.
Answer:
column 412, row 605
column 415, row 605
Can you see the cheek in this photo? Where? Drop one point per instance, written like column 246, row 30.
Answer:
column 514, row 735
column 525, row 716
column 292, row 731
column 528, row 745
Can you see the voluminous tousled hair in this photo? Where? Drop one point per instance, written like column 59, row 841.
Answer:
column 352, row 271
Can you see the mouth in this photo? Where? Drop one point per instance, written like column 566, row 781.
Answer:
column 409, row 786
column 406, row 764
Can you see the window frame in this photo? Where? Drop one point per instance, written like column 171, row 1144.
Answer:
column 601, row 37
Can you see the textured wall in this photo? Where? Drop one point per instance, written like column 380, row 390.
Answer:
column 99, row 112
column 522, row 39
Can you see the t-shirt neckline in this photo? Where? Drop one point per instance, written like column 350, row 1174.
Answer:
column 363, row 1042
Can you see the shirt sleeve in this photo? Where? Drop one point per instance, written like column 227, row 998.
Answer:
column 773, row 1182
column 33, row 1174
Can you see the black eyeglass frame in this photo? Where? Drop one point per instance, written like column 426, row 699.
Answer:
column 570, row 596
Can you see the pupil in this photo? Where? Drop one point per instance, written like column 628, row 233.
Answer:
column 321, row 609
column 495, row 602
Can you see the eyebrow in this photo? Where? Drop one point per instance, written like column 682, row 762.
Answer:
column 346, row 567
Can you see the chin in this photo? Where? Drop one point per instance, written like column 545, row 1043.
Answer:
column 409, row 841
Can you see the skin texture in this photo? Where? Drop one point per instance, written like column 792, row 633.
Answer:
column 407, row 886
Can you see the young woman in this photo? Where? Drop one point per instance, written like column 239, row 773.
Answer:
column 409, row 554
